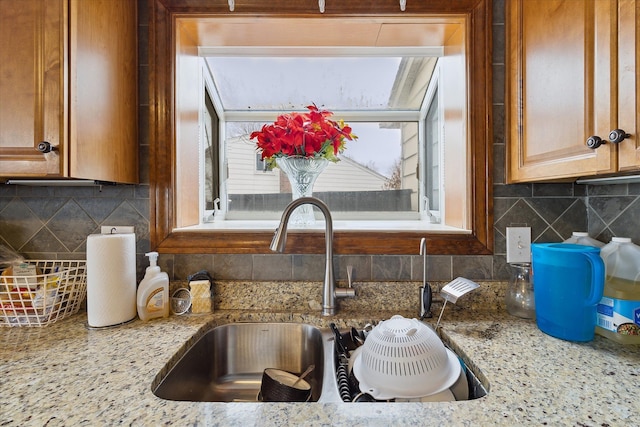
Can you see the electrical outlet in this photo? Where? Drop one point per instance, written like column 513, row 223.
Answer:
column 518, row 245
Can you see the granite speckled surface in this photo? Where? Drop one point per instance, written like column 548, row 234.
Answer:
column 65, row 374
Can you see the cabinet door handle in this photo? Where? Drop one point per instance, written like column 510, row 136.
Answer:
column 616, row 136
column 46, row 147
column 594, row 142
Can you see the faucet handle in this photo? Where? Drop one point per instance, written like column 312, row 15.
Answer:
column 348, row 292
column 345, row 292
column 349, row 274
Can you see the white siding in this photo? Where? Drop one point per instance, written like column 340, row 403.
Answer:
column 345, row 175
column 243, row 176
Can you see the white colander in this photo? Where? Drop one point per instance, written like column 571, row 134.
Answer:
column 404, row 358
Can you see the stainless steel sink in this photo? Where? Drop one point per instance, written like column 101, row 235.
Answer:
column 226, row 363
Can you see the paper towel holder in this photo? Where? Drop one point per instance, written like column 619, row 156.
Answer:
column 117, row 325
column 116, row 229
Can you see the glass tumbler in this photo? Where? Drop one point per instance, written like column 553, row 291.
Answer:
column 520, row 300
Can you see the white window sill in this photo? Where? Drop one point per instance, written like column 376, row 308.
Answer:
column 338, row 225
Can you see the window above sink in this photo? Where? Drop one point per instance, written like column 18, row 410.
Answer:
column 459, row 218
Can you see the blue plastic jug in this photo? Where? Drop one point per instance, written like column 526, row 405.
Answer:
column 568, row 282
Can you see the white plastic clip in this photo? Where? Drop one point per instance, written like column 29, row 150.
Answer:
column 232, row 5
column 425, row 215
column 218, row 215
column 403, row 5
column 321, row 5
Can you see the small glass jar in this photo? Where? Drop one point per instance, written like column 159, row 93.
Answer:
column 520, row 300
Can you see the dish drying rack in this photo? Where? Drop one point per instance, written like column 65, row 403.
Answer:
column 45, row 298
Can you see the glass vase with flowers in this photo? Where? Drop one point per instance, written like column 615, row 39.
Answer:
column 302, row 145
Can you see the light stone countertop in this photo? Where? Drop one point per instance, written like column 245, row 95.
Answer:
column 65, row 374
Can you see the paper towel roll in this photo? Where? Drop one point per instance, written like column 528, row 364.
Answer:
column 111, row 279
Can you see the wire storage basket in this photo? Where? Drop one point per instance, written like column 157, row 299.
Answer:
column 56, row 291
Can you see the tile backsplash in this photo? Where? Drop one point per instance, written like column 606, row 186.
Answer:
column 53, row 222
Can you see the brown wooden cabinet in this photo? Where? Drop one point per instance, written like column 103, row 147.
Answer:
column 68, row 79
column 572, row 74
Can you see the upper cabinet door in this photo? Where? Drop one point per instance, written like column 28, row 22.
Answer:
column 103, row 79
column 561, row 88
column 32, row 107
column 68, row 84
column 629, row 82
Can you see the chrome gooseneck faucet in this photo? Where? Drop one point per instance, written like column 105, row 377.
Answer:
column 330, row 292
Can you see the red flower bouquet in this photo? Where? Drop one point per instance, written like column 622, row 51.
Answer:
column 312, row 134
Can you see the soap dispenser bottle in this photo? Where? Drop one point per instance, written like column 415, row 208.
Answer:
column 153, row 291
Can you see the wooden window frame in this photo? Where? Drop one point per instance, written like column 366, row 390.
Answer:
column 163, row 199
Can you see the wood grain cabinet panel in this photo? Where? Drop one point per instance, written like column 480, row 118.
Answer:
column 32, row 104
column 68, row 77
column 571, row 75
column 629, row 82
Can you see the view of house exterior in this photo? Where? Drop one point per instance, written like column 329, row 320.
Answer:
column 246, row 176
